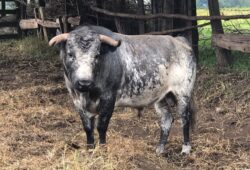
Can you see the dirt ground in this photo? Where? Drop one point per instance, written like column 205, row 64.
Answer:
column 39, row 128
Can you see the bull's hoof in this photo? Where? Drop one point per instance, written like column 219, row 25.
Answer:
column 103, row 147
column 90, row 146
column 186, row 149
column 160, row 149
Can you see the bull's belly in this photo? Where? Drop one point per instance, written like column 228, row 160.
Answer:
column 147, row 97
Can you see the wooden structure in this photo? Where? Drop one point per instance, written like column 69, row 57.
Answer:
column 223, row 55
column 186, row 22
column 174, row 17
column 232, row 42
column 6, row 22
column 40, row 22
column 44, row 25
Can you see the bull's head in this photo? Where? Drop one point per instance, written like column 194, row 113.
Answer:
column 80, row 51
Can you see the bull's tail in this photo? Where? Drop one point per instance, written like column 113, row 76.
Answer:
column 192, row 111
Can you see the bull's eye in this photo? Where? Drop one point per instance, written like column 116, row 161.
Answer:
column 70, row 56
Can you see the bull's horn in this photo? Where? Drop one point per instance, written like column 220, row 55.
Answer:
column 59, row 38
column 109, row 40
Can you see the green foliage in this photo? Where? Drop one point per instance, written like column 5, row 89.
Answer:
column 206, row 52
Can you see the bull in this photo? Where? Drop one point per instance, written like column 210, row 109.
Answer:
column 103, row 69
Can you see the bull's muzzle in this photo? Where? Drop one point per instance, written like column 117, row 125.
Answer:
column 84, row 85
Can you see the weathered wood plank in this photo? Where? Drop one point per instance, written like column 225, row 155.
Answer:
column 33, row 24
column 74, row 20
column 232, row 42
column 42, row 16
column 48, row 24
column 223, row 56
column 26, row 24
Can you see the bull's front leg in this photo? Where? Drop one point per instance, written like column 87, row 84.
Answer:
column 88, row 125
column 106, row 109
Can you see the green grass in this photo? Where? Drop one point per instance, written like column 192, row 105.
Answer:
column 30, row 47
column 241, row 61
column 207, row 55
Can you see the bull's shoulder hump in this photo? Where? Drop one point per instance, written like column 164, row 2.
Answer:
column 183, row 42
column 166, row 42
column 161, row 41
column 143, row 37
column 179, row 41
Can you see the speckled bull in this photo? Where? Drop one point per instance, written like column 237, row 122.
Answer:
column 104, row 69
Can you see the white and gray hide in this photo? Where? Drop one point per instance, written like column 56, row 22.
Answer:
column 104, row 69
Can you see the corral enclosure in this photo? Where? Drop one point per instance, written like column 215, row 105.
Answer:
column 39, row 128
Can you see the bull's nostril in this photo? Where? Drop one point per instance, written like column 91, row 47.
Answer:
column 84, row 84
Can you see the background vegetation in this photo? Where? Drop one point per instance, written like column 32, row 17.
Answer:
column 240, row 26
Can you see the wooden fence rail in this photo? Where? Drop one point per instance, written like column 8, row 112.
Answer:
column 232, row 42
column 162, row 15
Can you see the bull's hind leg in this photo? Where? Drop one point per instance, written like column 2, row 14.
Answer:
column 183, row 103
column 162, row 109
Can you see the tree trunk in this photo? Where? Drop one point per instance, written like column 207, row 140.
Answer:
column 223, row 56
column 119, row 6
column 154, row 4
column 141, row 12
column 153, row 12
column 82, row 11
column 179, row 8
column 159, row 8
column 168, row 7
column 99, row 4
column 193, row 35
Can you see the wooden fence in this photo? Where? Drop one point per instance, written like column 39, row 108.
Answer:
column 222, row 42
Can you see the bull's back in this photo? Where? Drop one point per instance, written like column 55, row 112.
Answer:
column 147, row 62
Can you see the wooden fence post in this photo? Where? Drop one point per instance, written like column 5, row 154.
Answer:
column 41, row 12
column 223, row 56
column 65, row 24
column 38, row 29
column 193, row 34
column 141, row 12
column 168, row 8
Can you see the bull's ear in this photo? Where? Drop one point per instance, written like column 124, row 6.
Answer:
column 59, row 38
column 108, row 40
